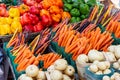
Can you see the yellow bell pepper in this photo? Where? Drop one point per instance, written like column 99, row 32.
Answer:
column 16, row 25
column 14, row 12
column 3, row 20
column 4, row 29
column 9, row 20
column 16, row 19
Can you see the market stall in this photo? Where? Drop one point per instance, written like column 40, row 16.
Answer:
column 60, row 39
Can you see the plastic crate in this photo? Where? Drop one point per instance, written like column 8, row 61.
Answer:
column 92, row 76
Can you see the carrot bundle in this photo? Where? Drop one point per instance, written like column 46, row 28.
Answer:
column 49, row 59
column 114, row 25
column 77, row 43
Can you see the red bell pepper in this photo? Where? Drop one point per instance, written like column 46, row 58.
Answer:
column 46, row 20
column 38, row 27
column 25, row 19
column 34, row 10
column 38, row 1
column 28, row 28
column 34, row 19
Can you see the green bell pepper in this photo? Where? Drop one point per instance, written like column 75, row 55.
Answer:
column 78, row 19
column 82, row 17
column 75, row 19
column 76, row 5
column 84, row 8
column 64, row 1
column 75, row 12
column 69, row 1
column 91, row 2
column 67, row 7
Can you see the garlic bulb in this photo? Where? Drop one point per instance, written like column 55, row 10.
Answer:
column 111, row 48
column 117, row 52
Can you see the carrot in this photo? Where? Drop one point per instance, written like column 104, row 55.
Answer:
column 22, row 64
column 69, row 41
column 36, row 62
column 60, row 39
column 14, row 35
column 68, row 36
column 64, row 38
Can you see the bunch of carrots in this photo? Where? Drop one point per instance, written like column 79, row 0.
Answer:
column 114, row 25
column 77, row 43
column 25, row 54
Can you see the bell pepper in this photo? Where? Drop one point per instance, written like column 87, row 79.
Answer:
column 38, row 27
column 54, row 9
column 16, row 25
column 34, row 19
column 34, row 10
column 56, row 17
column 67, row 7
column 46, row 20
column 82, row 17
column 75, row 19
column 69, row 1
column 5, row 29
column 9, row 20
column 23, row 8
column 84, row 8
column 76, row 5
column 66, row 15
column 44, row 12
column 16, row 19
column 58, row 3
column 14, row 12
column 28, row 28
column 3, row 20
column 75, row 12
column 2, row 11
column 45, row 4
column 91, row 2
column 25, row 19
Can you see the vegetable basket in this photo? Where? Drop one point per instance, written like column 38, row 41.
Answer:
column 81, row 70
column 116, row 40
column 7, row 50
column 91, row 76
column 60, row 50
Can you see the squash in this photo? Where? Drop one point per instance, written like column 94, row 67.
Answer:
column 41, row 75
column 60, row 64
column 56, row 75
column 32, row 71
column 69, row 70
